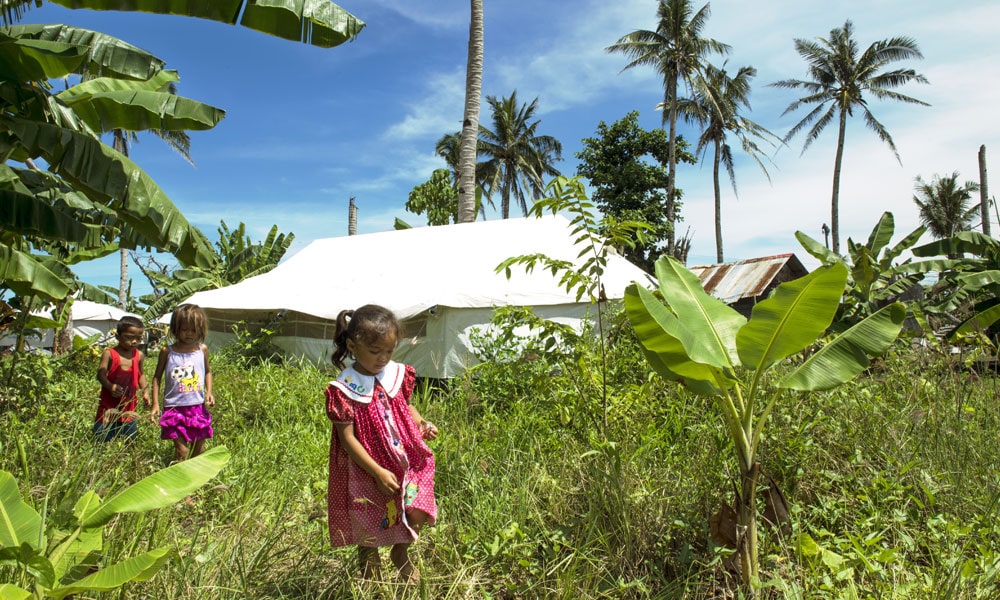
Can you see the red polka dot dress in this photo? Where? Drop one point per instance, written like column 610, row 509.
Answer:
column 378, row 406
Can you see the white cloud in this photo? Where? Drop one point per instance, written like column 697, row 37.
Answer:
column 437, row 112
column 431, row 13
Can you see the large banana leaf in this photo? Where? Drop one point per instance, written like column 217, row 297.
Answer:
column 74, row 549
column 847, row 355
column 940, row 265
column 105, row 104
column 22, row 213
column 881, row 234
column 33, row 60
column 160, row 489
column 106, row 55
column 793, row 317
column 656, row 327
column 110, row 177
column 19, row 523
column 708, row 326
column 12, row 592
column 978, row 322
column 965, row 242
column 904, row 244
column 176, row 294
column 817, row 250
column 317, row 22
column 137, row 568
column 25, row 276
column 977, row 280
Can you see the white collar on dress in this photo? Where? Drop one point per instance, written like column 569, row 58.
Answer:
column 360, row 387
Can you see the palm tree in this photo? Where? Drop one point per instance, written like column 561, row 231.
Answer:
column 677, row 51
column 717, row 106
column 470, row 122
column 944, row 205
column 516, row 157
column 449, row 148
column 840, row 77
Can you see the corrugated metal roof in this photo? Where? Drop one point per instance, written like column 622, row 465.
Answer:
column 748, row 278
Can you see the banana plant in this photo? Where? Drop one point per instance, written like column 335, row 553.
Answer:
column 237, row 258
column 968, row 268
column 874, row 280
column 91, row 194
column 64, row 563
column 697, row 340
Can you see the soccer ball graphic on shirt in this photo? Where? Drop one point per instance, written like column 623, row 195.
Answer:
column 185, row 377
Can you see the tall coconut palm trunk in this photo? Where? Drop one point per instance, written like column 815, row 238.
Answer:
column 835, row 200
column 671, row 205
column 470, row 122
column 717, row 160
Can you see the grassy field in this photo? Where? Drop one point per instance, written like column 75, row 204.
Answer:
column 891, row 484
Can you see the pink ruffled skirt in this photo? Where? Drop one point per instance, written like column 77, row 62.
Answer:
column 188, row 423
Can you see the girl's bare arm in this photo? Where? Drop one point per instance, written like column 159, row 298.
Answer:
column 384, row 478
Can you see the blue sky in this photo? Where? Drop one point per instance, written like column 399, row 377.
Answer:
column 307, row 128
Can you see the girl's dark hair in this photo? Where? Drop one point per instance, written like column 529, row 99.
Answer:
column 129, row 321
column 367, row 325
column 189, row 315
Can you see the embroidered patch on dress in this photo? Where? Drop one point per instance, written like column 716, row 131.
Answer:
column 391, row 515
column 411, row 493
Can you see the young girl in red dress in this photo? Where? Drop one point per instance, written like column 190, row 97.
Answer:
column 381, row 489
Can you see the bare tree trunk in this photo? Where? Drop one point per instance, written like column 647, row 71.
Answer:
column 352, row 217
column 120, row 144
column 470, row 123
column 123, row 278
column 718, row 205
column 835, row 201
column 984, row 195
column 671, row 207
column 62, row 338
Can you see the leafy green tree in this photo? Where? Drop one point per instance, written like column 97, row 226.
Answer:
column 237, row 257
column 516, row 157
column 944, row 204
column 624, row 165
column 597, row 238
column 841, row 80
column 468, row 148
column 437, row 197
column 677, row 50
column 717, row 106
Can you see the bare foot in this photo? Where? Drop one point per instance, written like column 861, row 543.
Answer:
column 401, row 558
column 371, row 563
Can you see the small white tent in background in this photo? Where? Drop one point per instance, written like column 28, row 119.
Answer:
column 439, row 281
column 92, row 318
column 89, row 319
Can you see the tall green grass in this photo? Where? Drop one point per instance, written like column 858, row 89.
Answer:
column 891, row 481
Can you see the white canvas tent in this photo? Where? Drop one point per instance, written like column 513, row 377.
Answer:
column 89, row 319
column 439, row 281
